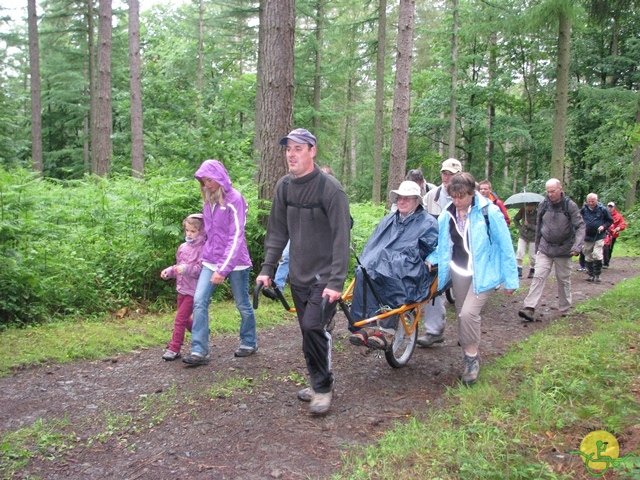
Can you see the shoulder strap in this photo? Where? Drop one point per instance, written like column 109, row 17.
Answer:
column 317, row 204
column 486, row 221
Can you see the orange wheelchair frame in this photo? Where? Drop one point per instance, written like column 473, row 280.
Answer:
column 400, row 350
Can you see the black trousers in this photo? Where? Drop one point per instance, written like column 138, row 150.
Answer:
column 316, row 341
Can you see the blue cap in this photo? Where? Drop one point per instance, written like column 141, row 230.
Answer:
column 300, row 135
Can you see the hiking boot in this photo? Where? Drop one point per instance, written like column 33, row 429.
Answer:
column 596, row 279
column 532, row 272
column 471, row 369
column 429, row 339
column 196, row 359
column 244, row 351
column 306, row 394
column 320, row 403
column 381, row 340
column 527, row 313
column 170, row 355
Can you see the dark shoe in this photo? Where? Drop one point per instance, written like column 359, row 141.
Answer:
column 170, row 355
column 245, row 351
column 429, row 339
column 360, row 337
column 269, row 293
column 320, row 403
column 381, row 340
column 196, row 359
column 597, row 279
column 527, row 313
column 591, row 278
column 532, row 272
column 471, row 369
column 605, row 266
column 306, row 394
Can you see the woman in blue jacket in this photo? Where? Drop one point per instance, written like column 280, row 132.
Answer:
column 475, row 253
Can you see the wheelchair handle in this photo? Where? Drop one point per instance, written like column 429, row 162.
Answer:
column 256, row 294
column 323, row 307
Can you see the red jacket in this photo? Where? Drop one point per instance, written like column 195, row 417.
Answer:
column 618, row 225
column 494, row 198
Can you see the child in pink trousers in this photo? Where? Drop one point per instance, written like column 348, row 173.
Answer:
column 186, row 271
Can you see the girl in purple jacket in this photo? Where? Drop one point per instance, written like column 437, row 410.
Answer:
column 186, row 271
column 224, row 255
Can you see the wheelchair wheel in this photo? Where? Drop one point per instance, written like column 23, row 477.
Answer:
column 403, row 345
column 449, row 294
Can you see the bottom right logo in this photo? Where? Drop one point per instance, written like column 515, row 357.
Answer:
column 600, row 452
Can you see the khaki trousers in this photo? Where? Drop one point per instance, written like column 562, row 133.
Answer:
column 543, row 270
column 468, row 307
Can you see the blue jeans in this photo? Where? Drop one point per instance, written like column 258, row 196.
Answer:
column 239, row 280
column 283, row 268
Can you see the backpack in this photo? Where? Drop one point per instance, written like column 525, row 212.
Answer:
column 318, row 204
column 565, row 210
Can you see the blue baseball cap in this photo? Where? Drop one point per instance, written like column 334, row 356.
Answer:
column 300, row 135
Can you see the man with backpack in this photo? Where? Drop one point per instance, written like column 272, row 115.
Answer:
column 311, row 210
column 434, row 202
column 597, row 220
column 559, row 236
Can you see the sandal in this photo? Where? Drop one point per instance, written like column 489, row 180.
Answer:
column 360, row 337
column 380, row 340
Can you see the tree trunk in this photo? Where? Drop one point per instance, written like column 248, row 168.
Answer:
column 36, row 103
column 135, row 87
column 401, row 95
column 101, row 153
column 379, row 114
column 93, row 96
column 454, row 82
column 562, row 98
column 317, row 86
column 274, row 103
column 635, row 167
column 200, row 60
column 491, row 109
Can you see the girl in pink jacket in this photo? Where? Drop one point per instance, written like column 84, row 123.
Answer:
column 186, row 271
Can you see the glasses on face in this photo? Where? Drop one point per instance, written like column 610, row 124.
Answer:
column 400, row 198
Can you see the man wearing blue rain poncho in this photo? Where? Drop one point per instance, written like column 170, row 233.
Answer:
column 394, row 259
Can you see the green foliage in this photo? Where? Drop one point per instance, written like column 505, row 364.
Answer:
column 81, row 248
column 85, row 247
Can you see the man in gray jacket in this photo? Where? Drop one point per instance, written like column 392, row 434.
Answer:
column 559, row 236
column 310, row 209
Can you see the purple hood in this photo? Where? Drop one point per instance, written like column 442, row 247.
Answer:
column 226, row 245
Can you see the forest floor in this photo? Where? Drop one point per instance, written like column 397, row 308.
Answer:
column 135, row 416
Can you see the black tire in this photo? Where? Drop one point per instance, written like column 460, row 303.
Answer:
column 449, row 294
column 403, row 345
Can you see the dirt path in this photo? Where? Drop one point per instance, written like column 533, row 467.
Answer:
column 190, row 428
